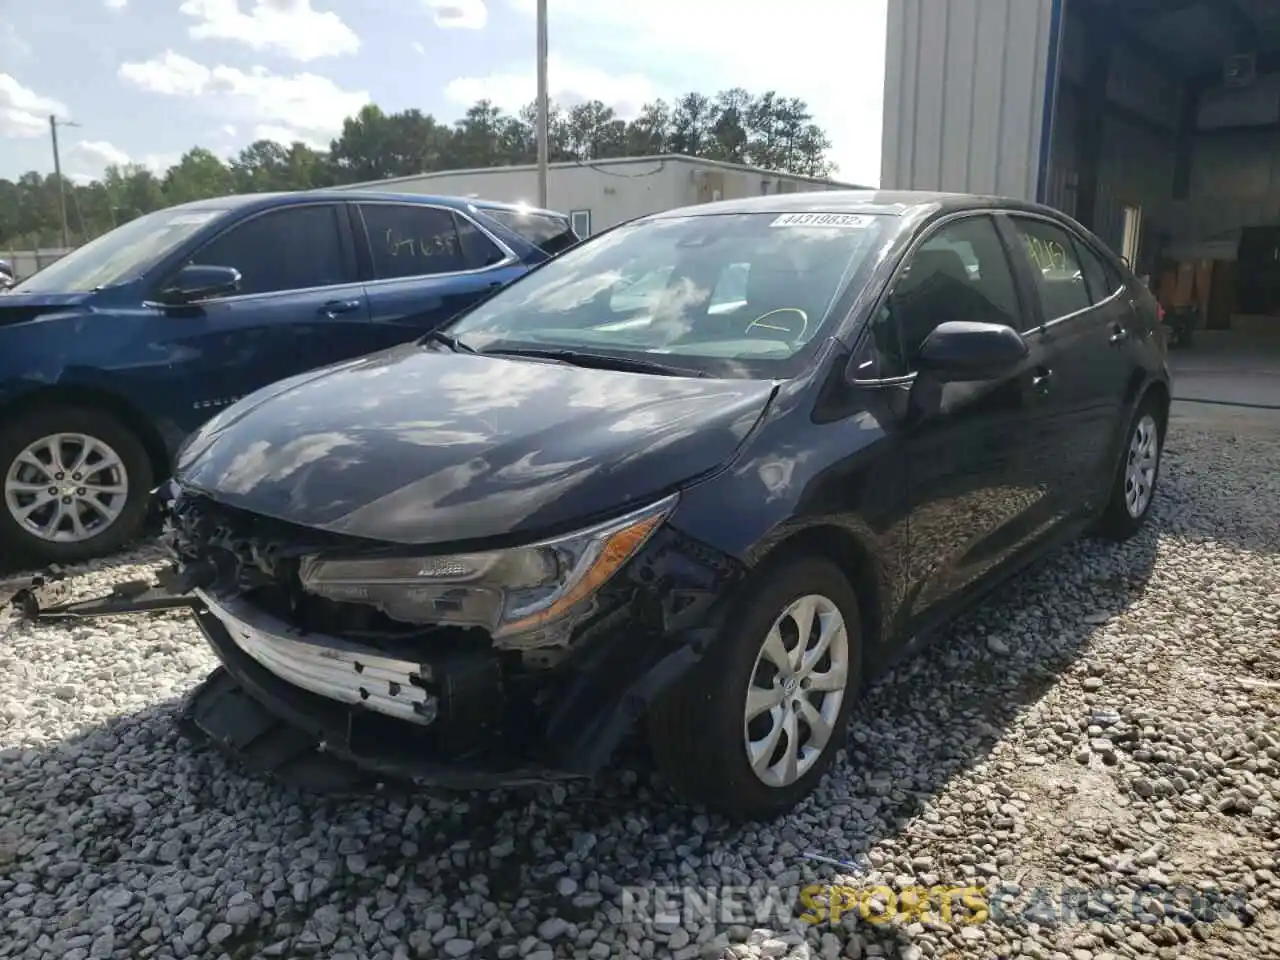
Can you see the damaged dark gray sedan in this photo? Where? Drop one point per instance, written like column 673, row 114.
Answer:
column 700, row 477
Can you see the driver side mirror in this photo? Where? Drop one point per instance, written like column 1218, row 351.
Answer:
column 966, row 351
column 196, row 282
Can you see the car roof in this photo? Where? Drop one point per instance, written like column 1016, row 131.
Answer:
column 882, row 202
column 284, row 198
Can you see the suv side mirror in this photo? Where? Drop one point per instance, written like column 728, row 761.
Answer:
column 967, row 351
column 196, row 282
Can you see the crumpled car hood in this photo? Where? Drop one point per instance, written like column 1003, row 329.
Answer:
column 419, row 445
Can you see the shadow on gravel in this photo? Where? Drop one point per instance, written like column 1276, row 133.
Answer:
column 133, row 815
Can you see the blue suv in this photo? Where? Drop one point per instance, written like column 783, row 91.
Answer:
column 112, row 355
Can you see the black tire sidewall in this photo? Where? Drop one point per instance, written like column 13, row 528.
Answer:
column 18, row 544
column 717, row 690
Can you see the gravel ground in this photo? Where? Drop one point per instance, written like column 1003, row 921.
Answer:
column 1097, row 752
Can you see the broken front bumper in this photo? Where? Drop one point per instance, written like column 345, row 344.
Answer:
column 328, row 666
column 337, row 720
column 283, row 697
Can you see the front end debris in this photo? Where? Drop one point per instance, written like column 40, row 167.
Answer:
column 335, row 695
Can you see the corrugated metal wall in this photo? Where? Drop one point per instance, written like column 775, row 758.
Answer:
column 1236, row 164
column 965, row 95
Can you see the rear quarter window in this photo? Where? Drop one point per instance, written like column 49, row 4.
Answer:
column 549, row 234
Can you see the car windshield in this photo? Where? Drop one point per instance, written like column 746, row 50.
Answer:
column 740, row 295
column 121, row 254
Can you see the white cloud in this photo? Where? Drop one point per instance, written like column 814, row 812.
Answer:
column 418, row 48
column 285, row 136
column 229, row 129
column 12, row 45
column 796, row 52
column 459, row 14
column 115, row 4
column 567, row 84
column 159, row 163
column 100, row 153
column 291, row 27
column 170, row 73
column 89, row 158
column 23, row 112
column 311, row 107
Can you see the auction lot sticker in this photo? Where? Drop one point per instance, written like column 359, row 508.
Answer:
column 848, row 221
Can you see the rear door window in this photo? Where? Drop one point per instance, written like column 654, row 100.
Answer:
column 478, row 249
column 549, row 234
column 1059, row 278
column 293, row 248
column 1102, row 283
column 413, row 241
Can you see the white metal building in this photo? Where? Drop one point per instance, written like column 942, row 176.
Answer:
column 1154, row 122
column 600, row 193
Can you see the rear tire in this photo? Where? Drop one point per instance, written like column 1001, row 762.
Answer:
column 701, row 734
column 74, row 485
column 1133, row 490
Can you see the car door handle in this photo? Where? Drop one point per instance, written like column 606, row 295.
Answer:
column 1119, row 334
column 340, row 306
column 1041, row 379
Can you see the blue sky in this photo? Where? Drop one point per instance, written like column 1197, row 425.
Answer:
column 147, row 79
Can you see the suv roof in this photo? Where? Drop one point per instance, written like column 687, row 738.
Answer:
column 237, row 200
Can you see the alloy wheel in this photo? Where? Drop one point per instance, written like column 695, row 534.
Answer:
column 796, row 690
column 66, row 488
column 1140, row 467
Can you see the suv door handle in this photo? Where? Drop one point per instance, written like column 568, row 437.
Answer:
column 1119, row 334
column 340, row 306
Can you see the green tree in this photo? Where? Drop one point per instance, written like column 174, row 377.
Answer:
column 690, row 129
column 766, row 130
column 729, row 126
column 198, row 175
column 594, row 132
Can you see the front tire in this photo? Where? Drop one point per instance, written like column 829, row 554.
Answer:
column 1133, row 489
column 755, row 725
column 74, row 485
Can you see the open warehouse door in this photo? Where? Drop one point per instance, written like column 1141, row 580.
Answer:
column 1165, row 140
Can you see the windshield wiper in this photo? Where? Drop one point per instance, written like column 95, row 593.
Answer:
column 600, row 361
column 452, row 342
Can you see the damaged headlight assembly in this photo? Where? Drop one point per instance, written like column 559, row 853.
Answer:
column 543, row 587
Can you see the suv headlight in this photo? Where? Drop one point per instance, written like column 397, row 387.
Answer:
column 514, row 591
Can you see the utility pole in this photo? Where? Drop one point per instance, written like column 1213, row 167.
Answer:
column 57, row 172
column 544, row 106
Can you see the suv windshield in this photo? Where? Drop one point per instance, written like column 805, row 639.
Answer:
column 738, row 295
column 121, row 254
column 549, row 234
